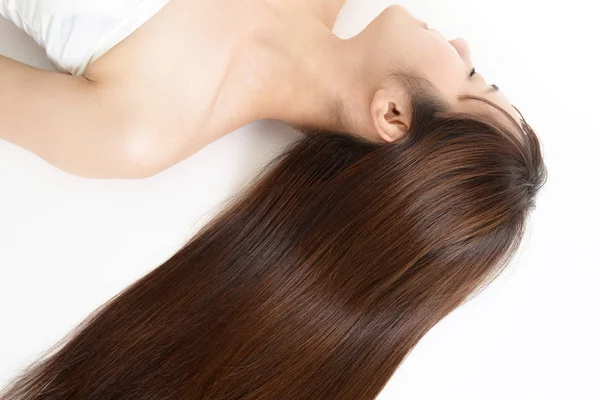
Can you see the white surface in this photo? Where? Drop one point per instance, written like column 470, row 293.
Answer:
column 68, row 244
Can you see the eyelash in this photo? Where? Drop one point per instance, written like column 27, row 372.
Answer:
column 472, row 72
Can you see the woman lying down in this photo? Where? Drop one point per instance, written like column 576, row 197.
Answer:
column 409, row 191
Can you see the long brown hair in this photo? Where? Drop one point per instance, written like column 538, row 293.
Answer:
column 319, row 277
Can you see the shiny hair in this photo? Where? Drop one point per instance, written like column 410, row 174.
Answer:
column 320, row 276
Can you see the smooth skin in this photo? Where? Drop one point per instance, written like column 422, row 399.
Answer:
column 198, row 70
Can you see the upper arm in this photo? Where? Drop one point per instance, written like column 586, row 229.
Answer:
column 62, row 118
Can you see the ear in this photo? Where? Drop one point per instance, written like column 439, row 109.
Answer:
column 390, row 112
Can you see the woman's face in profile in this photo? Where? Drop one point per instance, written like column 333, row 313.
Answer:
column 419, row 49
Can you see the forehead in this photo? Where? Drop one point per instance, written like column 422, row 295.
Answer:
column 473, row 100
column 478, row 87
column 488, row 108
column 499, row 98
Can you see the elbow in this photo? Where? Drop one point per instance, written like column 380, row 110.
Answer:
column 122, row 154
column 144, row 154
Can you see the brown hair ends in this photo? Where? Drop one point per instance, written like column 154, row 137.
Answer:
column 318, row 278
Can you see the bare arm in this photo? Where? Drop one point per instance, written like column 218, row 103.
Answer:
column 64, row 120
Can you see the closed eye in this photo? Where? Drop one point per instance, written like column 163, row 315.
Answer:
column 493, row 88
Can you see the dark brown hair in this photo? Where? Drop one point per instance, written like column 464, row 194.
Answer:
column 318, row 278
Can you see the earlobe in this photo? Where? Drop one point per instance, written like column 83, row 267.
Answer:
column 390, row 116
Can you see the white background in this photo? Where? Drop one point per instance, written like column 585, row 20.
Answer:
column 67, row 244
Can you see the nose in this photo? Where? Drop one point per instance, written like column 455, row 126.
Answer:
column 462, row 47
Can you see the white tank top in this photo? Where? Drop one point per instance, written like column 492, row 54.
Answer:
column 76, row 32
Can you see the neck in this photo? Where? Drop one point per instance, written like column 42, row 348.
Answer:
column 319, row 87
column 311, row 80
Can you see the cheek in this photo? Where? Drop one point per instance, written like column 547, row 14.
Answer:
column 440, row 63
